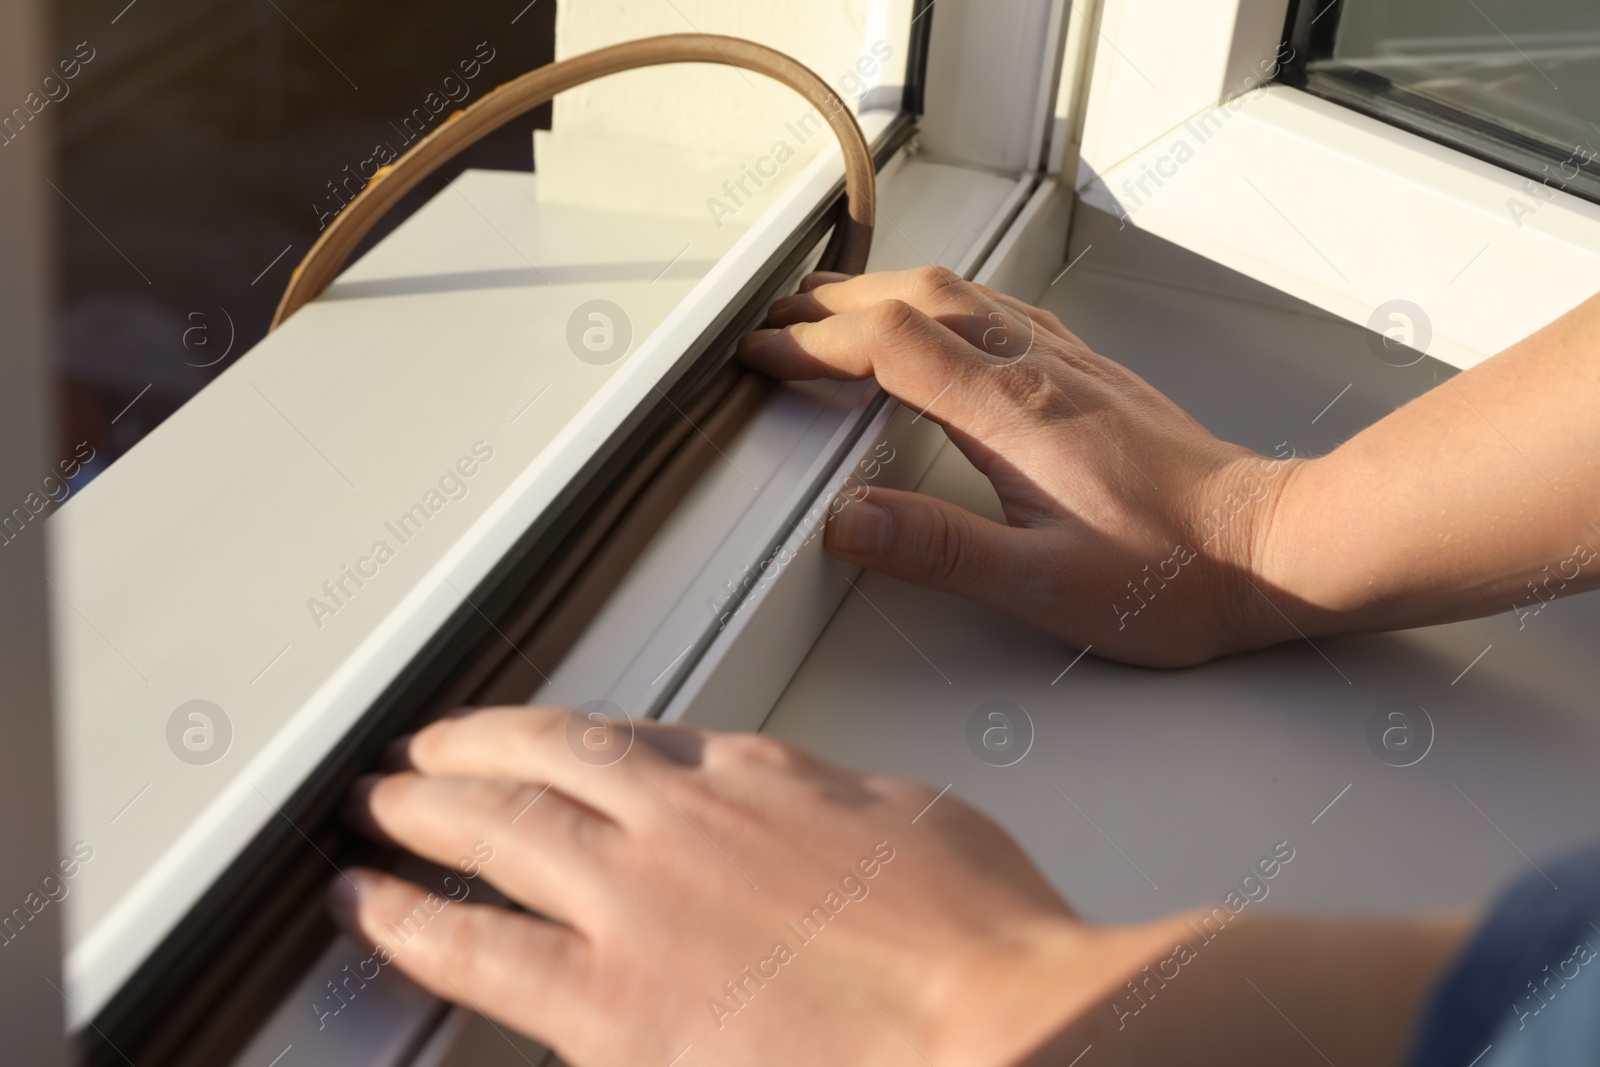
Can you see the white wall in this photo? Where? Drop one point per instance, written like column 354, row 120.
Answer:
column 986, row 62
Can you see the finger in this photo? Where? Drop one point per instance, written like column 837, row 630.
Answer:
column 788, row 310
column 919, row 361
column 933, row 543
column 822, row 277
column 1045, row 320
column 532, row 842
column 678, row 741
column 395, row 756
column 970, row 311
column 932, row 290
column 524, row 971
column 593, row 761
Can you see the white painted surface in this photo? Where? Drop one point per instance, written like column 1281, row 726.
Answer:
column 649, row 633
column 1155, row 65
column 756, row 653
column 1032, row 254
column 1072, row 87
column 724, row 524
column 1299, row 193
column 955, row 212
column 989, row 62
column 369, row 1014
column 190, row 562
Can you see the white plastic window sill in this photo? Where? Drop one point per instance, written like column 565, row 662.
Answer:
column 185, row 570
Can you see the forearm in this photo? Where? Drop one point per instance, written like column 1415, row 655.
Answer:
column 1481, row 496
column 1267, row 990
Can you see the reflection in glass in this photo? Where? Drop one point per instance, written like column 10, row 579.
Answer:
column 1523, row 74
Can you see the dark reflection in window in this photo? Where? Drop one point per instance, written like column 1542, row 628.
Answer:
column 202, row 144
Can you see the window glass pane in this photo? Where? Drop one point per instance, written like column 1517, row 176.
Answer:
column 1523, row 72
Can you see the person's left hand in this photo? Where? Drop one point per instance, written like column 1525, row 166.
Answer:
column 1109, row 490
column 720, row 898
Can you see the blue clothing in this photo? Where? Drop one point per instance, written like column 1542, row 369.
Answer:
column 1526, row 991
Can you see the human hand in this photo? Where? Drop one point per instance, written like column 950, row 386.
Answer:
column 1129, row 526
column 721, row 898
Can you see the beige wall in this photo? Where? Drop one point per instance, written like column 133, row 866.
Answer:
column 665, row 140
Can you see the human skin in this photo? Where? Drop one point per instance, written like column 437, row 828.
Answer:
column 1446, row 509
column 659, row 877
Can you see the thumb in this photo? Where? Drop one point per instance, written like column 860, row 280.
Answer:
column 930, row 542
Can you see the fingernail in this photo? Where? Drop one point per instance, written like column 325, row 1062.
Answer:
column 755, row 339
column 344, row 898
column 862, row 528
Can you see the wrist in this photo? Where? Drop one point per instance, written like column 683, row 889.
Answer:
column 1241, row 518
column 1044, row 991
column 1303, row 558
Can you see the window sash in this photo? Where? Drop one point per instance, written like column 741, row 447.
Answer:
column 1320, row 201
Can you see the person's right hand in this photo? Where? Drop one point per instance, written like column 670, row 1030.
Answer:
column 1129, row 526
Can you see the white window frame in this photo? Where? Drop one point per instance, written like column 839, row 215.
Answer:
column 109, row 953
column 99, row 964
column 1339, row 209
